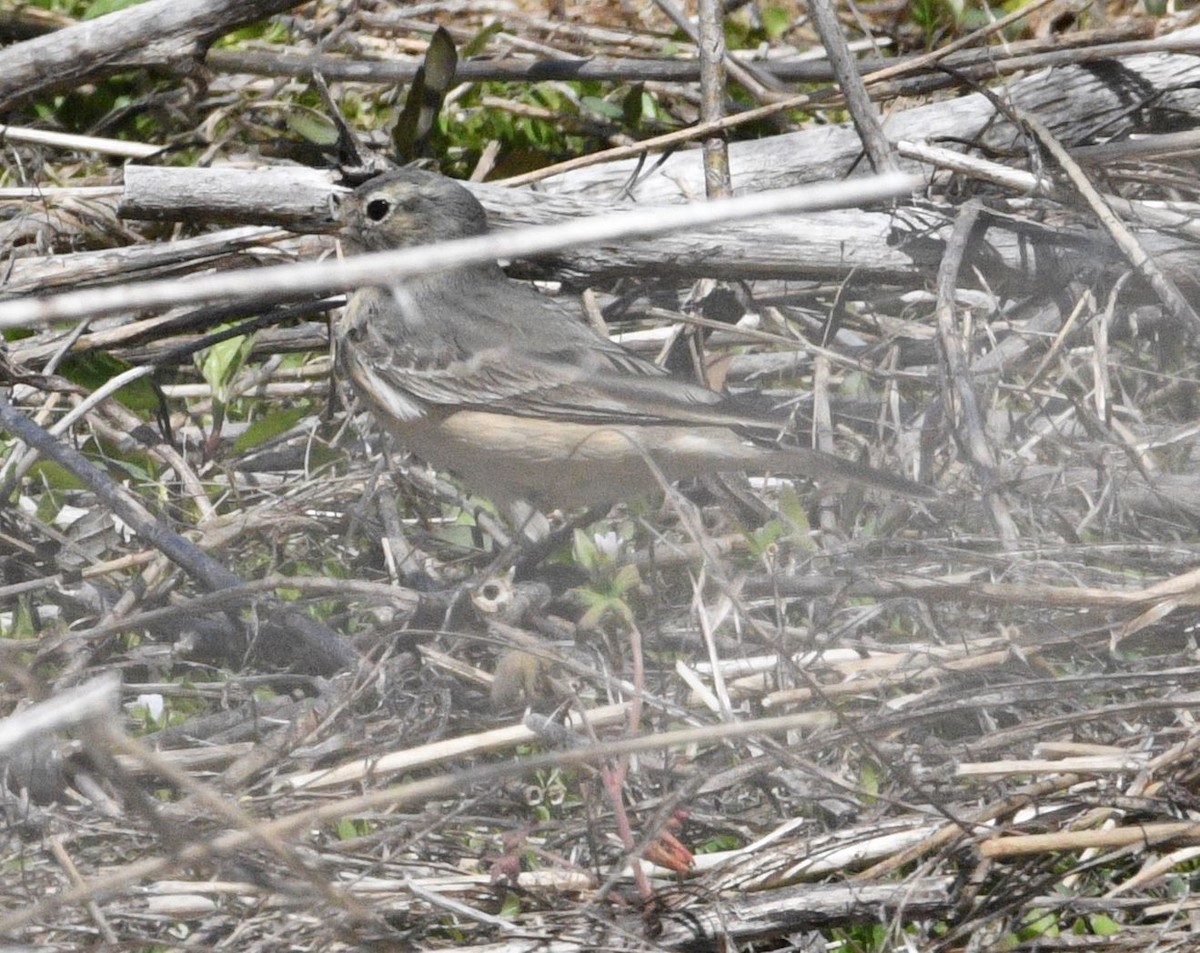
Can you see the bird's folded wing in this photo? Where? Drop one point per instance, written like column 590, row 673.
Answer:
column 501, row 379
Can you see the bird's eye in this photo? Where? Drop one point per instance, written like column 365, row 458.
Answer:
column 377, row 209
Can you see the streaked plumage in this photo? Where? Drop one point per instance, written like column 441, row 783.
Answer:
column 511, row 390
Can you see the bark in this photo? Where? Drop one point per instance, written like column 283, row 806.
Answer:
column 903, row 246
column 297, row 197
column 742, row 917
column 1073, row 101
column 158, row 33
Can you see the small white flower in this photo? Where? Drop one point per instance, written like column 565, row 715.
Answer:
column 153, row 704
column 608, row 544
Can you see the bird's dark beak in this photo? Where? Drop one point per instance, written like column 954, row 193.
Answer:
column 345, row 209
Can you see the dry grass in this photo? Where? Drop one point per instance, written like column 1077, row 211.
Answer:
column 791, row 718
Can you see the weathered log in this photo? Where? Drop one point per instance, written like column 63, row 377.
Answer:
column 1073, row 101
column 160, row 32
column 903, row 246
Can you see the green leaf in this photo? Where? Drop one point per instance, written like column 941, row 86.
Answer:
column 269, row 31
column 476, row 44
column 97, row 368
column 136, row 467
column 763, row 537
column 649, row 107
column 22, row 624
column 1040, row 924
column 627, row 579
column 718, row 843
column 601, row 107
column 776, row 21
column 413, row 133
column 221, row 363
column 587, row 554
column 738, row 33
column 441, row 62
column 99, row 8
column 1103, row 925
column 312, row 126
column 631, row 105
column 792, row 508
column 56, row 478
column 264, row 428
column 869, row 780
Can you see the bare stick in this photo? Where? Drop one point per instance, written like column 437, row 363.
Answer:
column 158, row 32
column 294, row 282
column 66, row 140
column 92, row 700
column 1145, row 266
column 960, row 387
column 761, row 86
column 287, row 634
column 858, row 100
column 711, row 42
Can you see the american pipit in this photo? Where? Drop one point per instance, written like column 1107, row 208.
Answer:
column 508, row 388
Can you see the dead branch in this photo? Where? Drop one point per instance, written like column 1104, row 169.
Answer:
column 153, row 34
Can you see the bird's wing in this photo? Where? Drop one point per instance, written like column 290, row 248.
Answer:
column 589, row 389
column 551, row 330
column 544, row 366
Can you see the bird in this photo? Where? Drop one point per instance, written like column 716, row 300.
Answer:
column 515, row 393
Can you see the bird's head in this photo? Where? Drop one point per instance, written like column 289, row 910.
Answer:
column 406, row 208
